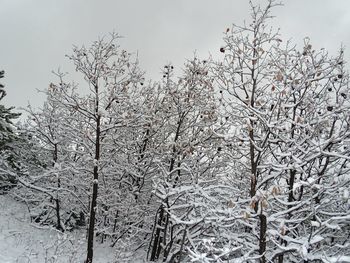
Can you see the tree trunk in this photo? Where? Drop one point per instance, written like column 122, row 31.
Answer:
column 253, row 165
column 59, row 224
column 262, row 237
column 93, row 206
column 57, row 199
column 158, row 236
column 280, row 258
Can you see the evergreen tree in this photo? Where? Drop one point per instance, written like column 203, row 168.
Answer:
column 6, row 115
column 6, row 137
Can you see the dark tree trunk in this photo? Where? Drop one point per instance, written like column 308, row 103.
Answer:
column 93, row 206
column 57, row 199
column 253, row 165
column 280, row 259
column 158, row 236
column 291, row 186
column 262, row 237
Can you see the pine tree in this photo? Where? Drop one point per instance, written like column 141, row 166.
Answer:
column 6, row 115
column 7, row 136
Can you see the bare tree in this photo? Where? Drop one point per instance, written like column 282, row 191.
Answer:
column 111, row 77
column 287, row 108
column 189, row 150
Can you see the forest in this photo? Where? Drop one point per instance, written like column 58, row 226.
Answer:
column 240, row 158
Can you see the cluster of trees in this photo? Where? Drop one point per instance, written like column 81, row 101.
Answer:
column 245, row 158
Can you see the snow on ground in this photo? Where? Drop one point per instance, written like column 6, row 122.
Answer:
column 22, row 242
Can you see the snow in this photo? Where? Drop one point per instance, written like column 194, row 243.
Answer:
column 22, row 242
column 102, row 112
column 346, row 195
column 316, row 239
column 315, row 224
column 339, row 259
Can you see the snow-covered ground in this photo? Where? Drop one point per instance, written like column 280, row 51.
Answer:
column 22, row 242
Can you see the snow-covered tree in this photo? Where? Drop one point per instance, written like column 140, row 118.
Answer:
column 7, row 136
column 288, row 111
column 48, row 127
column 111, row 77
column 189, row 160
column 245, row 159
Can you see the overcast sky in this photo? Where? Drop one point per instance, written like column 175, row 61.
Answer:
column 37, row 34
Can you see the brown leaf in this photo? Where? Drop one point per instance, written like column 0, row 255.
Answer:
column 279, row 76
column 252, row 205
column 283, row 231
column 246, row 215
column 264, row 203
column 231, row 204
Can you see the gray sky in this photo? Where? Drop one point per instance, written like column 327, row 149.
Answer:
column 37, row 34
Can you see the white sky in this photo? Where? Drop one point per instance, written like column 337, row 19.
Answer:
column 37, row 34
